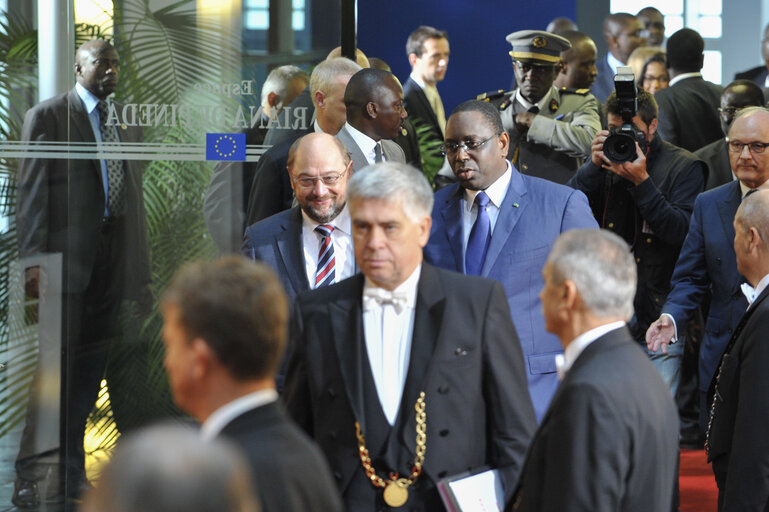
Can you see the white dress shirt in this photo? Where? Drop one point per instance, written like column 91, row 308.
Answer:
column 496, row 192
column 341, row 237
column 388, row 337
column 366, row 144
column 229, row 411
column 684, row 76
column 752, row 293
column 573, row 350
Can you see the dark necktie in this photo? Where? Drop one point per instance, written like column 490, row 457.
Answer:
column 378, row 153
column 115, row 172
column 324, row 275
column 480, row 236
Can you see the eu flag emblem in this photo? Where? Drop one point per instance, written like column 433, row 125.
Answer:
column 226, row 146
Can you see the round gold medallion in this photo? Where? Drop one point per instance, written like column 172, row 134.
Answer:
column 396, row 494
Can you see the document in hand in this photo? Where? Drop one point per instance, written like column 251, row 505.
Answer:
column 468, row 492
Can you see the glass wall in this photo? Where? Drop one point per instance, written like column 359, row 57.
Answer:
column 92, row 232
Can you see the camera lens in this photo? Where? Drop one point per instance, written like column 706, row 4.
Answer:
column 619, row 147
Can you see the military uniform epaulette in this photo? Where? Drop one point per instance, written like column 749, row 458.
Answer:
column 568, row 90
column 499, row 98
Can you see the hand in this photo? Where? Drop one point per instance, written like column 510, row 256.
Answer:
column 523, row 120
column 597, row 156
column 659, row 334
column 634, row 171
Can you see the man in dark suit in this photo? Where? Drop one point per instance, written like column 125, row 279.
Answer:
column 271, row 191
column 737, row 442
column 707, row 261
column 403, row 335
column 428, row 51
column 520, row 218
column 609, row 441
column 622, row 32
column 759, row 74
column 289, row 242
column 737, row 95
column 374, row 104
column 225, row 325
column 689, row 107
column 92, row 213
column 224, row 206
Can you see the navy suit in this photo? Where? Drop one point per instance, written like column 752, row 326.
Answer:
column 707, row 262
column 604, row 82
column 277, row 242
column 757, row 75
column 533, row 213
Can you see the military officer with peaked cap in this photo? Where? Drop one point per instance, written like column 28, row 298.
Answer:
column 550, row 129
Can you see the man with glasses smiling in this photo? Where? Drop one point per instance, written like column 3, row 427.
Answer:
column 550, row 129
column 310, row 245
column 501, row 224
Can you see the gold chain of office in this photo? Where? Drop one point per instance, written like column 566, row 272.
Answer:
column 396, row 489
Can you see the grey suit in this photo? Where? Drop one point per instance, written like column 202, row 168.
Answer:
column 392, row 151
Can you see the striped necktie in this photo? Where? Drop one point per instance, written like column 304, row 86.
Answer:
column 324, row 275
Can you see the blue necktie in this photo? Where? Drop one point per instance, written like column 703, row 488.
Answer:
column 479, row 239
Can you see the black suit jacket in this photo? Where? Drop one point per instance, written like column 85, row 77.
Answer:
column 716, row 156
column 604, row 81
column 688, row 113
column 478, row 408
column 609, row 441
column 60, row 203
column 290, row 473
column 756, row 74
column 737, row 437
column 418, row 107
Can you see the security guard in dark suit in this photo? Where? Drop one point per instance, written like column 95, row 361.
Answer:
column 550, row 129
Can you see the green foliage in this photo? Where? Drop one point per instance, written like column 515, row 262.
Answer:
column 429, row 148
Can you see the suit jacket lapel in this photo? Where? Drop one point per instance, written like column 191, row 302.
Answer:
column 452, row 221
column 290, row 247
column 426, row 105
column 728, row 207
column 346, row 317
column 428, row 317
column 82, row 125
column 359, row 160
column 511, row 210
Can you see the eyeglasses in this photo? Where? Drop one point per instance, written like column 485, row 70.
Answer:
column 661, row 79
column 729, row 111
column 755, row 148
column 328, row 180
column 467, row 145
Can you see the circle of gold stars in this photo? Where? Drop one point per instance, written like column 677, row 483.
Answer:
column 222, row 153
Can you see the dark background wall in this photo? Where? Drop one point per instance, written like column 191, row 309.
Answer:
column 477, row 29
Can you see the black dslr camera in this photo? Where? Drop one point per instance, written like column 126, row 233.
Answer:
column 619, row 146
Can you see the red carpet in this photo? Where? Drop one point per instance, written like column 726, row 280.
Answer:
column 698, row 487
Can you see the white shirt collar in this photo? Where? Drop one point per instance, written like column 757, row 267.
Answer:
column 89, row 99
column 407, row 287
column 579, row 344
column 364, row 142
column 744, row 189
column 541, row 104
column 341, row 222
column 684, row 76
column 751, row 293
column 496, row 191
column 419, row 81
column 614, row 63
column 231, row 410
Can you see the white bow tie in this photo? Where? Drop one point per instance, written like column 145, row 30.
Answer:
column 380, row 297
column 749, row 292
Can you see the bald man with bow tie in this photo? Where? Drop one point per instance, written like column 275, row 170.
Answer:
column 406, row 374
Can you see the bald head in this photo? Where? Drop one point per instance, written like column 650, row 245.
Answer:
column 374, row 103
column 751, row 236
column 560, row 25
column 360, row 57
column 738, row 95
column 97, row 67
column 577, row 69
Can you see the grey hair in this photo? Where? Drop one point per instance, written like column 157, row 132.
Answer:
column 390, row 180
column 279, row 80
column 166, row 468
column 326, row 71
column 754, row 213
column 601, row 266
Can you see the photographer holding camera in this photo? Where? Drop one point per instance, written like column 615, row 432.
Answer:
column 643, row 189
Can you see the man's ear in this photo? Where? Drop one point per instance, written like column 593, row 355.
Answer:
column 371, row 109
column 412, row 59
column 272, row 99
column 319, row 98
column 653, row 127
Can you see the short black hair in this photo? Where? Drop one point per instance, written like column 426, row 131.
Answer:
column 238, row 307
column 754, row 93
column 647, row 105
column 363, row 88
column 489, row 111
column 685, row 51
column 416, row 40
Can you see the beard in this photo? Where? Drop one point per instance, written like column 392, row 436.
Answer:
column 325, row 215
